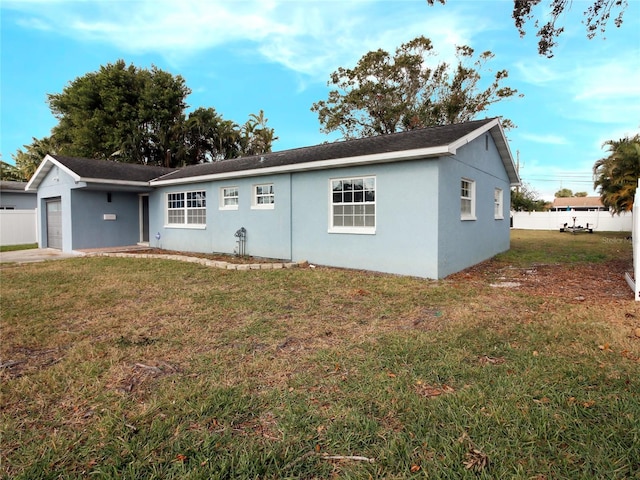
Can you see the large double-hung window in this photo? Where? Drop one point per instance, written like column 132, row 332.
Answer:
column 353, row 205
column 187, row 208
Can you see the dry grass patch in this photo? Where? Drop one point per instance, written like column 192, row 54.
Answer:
column 116, row 367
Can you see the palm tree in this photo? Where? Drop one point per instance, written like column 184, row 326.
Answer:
column 616, row 176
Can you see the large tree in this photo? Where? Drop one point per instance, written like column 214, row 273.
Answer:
column 121, row 112
column 137, row 115
column 27, row 160
column 387, row 93
column 616, row 176
column 597, row 15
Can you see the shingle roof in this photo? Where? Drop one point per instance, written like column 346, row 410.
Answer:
column 404, row 141
column 11, row 186
column 420, row 143
column 108, row 170
column 576, row 202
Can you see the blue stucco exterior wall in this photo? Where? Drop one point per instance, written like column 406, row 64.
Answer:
column 83, row 223
column 268, row 230
column 463, row 243
column 91, row 230
column 18, row 200
column 405, row 239
column 56, row 184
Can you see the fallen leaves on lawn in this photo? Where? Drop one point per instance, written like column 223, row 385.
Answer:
column 429, row 391
column 475, row 459
column 486, row 360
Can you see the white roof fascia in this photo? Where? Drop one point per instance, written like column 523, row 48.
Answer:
column 468, row 138
column 505, row 150
column 131, row 183
column 43, row 169
column 386, row 157
column 501, row 143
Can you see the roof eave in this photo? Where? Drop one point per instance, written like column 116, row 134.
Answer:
column 386, row 157
column 43, row 169
column 103, row 181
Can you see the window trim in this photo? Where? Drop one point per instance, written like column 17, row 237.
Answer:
column 223, row 197
column 185, row 209
column 254, row 197
column 361, row 230
column 472, row 199
column 498, row 203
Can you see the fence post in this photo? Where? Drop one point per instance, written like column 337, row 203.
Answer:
column 635, row 236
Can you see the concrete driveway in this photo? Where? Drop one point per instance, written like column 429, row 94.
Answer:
column 34, row 255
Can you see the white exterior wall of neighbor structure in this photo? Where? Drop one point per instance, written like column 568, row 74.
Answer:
column 18, row 227
column 599, row 221
column 634, row 282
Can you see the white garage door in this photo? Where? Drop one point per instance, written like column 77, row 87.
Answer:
column 54, row 224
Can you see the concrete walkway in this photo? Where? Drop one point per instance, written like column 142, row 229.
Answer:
column 35, row 255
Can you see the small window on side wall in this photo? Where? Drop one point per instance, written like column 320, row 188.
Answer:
column 229, row 198
column 467, row 199
column 263, row 197
column 497, row 204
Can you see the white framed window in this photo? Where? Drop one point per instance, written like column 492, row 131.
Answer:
column 467, row 199
column 497, row 204
column 187, row 209
column 229, row 198
column 263, row 196
column 353, row 205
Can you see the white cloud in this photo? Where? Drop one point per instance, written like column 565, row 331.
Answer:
column 545, row 139
column 310, row 37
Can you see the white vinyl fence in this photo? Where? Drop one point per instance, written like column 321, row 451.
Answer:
column 634, row 282
column 18, row 227
column 598, row 221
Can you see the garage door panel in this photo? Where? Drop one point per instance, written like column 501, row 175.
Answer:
column 54, row 224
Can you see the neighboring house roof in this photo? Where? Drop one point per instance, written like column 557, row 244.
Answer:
column 420, row 143
column 97, row 171
column 577, row 202
column 13, row 187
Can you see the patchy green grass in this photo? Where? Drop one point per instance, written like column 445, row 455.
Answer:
column 127, row 368
column 530, row 247
column 13, row 248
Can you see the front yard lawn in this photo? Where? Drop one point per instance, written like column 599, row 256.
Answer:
column 526, row 366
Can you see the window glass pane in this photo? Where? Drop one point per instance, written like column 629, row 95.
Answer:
column 354, row 202
column 369, row 183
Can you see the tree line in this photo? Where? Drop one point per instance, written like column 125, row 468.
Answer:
column 137, row 115
column 130, row 114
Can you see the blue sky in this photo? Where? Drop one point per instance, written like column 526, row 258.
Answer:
column 242, row 56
